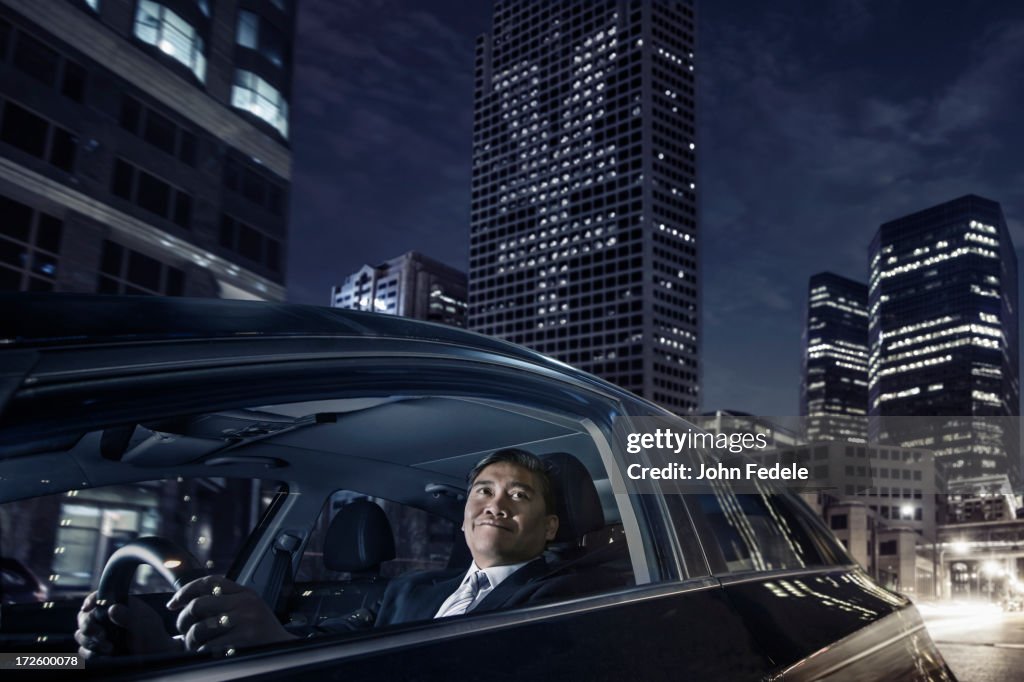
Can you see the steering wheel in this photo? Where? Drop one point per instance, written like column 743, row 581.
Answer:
column 176, row 565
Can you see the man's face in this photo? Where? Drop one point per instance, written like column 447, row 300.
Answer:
column 505, row 521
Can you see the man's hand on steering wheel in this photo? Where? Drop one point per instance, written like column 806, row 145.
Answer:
column 145, row 628
column 219, row 616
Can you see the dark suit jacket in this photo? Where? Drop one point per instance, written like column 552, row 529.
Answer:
column 418, row 596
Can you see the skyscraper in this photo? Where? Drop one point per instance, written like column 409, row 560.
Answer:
column 834, row 389
column 144, row 146
column 584, row 235
column 944, row 337
column 411, row 285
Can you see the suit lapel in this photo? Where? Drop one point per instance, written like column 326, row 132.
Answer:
column 434, row 595
column 511, row 585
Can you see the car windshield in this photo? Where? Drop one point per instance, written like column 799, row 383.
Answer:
column 65, row 539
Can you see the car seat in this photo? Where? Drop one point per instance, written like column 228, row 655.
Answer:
column 357, row 542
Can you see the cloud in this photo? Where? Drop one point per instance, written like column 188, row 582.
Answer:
column 383, row 130
column 810, row 158
column 848, row 19
column 378, row 52
column 982, row 90
column 731, row 291
column 751, row 382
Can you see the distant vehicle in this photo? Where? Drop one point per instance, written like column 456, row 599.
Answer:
column 18, row 584
column 248, row 432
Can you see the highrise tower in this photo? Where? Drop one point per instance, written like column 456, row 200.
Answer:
column 834, row 389
column 584, row 241
column 944, row 337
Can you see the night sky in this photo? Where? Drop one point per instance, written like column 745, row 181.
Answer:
column 817, row 121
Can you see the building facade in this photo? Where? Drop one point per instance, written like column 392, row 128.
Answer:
column 834, row 384
column 732, row 421
column 883, row 503
column 988, row 498
column 584, row 241
column 981, row 559
column 144, row 146
column 888, row 551
column 899, row 485
column 944, row 337
column 411, row 285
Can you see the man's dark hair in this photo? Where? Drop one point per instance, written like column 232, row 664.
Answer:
column 526, row 460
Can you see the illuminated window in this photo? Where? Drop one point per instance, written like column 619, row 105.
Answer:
column 259, row 97
column 159, row 26
column 248, row 29
column 259, row 34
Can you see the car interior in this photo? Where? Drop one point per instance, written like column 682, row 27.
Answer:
column 354, row 492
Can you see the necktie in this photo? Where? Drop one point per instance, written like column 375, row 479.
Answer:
column 465, row 595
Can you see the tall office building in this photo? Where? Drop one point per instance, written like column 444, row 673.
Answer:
column 584, row 237
column 411, row 285
column 944, row 337
column 144, row 146
column 834, row 388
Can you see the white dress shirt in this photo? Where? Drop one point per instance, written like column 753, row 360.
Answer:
column 495, row 575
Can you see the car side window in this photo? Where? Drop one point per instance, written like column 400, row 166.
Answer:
column 751, row 531
column 736, row 525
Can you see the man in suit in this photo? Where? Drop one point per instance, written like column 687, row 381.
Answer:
column 507, row 522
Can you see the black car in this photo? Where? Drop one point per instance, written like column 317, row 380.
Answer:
column 260, row 439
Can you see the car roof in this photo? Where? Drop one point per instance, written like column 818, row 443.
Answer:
column 40, row 320
column 44, row 321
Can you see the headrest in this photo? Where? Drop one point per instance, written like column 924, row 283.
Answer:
column 576, row 500
column 359, row 538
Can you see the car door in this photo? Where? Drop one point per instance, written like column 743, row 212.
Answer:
column 676, row 622
column 809, row 609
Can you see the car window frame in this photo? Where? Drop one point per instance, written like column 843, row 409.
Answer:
column 832, row 557
column 686, row 557
column 445, row 356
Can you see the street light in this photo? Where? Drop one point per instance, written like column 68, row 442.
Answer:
column 992, row 570
column 939, row 569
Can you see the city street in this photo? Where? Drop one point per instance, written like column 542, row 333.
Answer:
column 980, row 642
